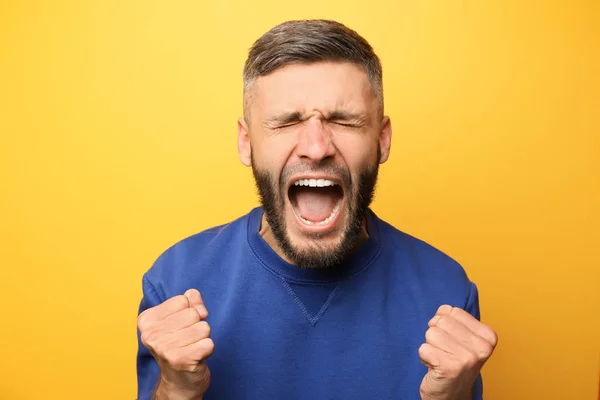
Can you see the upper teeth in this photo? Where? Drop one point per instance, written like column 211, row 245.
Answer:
column 314, row 182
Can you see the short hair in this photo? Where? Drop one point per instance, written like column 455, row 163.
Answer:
column 307, row 42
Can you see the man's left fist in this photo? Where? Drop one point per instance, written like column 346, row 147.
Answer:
column 456, row 347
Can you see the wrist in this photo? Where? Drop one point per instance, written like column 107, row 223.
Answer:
column 448, row 396
column 170, row 391
column 466, row 396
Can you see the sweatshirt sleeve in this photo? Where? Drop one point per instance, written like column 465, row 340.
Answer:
column 472, row 307
column 147, row 368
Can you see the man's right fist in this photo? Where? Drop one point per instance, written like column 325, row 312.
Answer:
column 177, row 336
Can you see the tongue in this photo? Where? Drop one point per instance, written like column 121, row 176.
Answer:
column 316, row 204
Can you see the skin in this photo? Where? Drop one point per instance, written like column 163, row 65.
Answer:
column 456, row 347
column 308, row 115
column 303, row 117
column 179, row 340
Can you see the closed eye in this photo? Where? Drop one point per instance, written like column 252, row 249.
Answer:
column 287, row 125
column 347, row 119
column 345, row 124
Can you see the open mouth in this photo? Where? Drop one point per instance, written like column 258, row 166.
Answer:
column 316, row 202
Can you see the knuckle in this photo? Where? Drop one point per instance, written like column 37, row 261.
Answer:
column 209, row 346
column 454, row 312
column 145, row 337
column 431, row 334
column 148, row 338
column 202, row 311
column 141, row 321
column 202, row 350
column 494, row 337
column 443, row 322
column 485, row 350
column 423, row 349
column 204, row 328
column 428, row 334
column 471, row 360
column 192, row 315
column 444, row 309
column 180, row 301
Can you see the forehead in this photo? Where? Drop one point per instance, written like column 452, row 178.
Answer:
column 323, row 87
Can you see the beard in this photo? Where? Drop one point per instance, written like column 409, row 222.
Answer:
column 358, row 197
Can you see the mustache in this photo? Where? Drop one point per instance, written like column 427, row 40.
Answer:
column 328, row 169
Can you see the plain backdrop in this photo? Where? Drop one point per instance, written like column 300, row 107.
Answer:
column 118, row 138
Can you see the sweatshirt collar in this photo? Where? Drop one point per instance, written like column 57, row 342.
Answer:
column 354, row 264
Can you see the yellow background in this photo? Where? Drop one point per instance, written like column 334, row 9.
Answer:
column 118, row 138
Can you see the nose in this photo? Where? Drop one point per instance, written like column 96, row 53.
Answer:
column 315, row 141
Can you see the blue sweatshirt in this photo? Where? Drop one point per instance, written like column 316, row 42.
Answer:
column 284, row 332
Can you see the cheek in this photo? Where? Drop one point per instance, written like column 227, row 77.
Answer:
column 357, row 152
column 271, row 155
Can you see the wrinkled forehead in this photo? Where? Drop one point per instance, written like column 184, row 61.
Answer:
column 323, row 87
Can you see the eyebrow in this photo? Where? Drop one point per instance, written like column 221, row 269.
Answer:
column 357, row 118
column 284, row 118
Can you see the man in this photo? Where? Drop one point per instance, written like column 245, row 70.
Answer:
column 310, row 296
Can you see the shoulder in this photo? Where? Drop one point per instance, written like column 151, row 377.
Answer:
column 185, row 261
column 429, row 273
column 195, row 245
column 421, row 258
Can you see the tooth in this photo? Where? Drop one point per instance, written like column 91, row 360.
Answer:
column 332, row 215
column 321, row 182
column 326, row 220
column 334, row 212
column 312, row 182
column 304, row 182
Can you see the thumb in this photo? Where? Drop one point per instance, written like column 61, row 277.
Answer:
column 195, row 301
column 431, row 387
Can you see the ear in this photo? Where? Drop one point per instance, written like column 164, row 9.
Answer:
column 244, row 150
column 385, row 139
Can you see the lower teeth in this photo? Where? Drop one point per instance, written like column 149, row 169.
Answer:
column 326, row 220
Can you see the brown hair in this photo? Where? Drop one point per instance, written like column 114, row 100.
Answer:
column 310, row 41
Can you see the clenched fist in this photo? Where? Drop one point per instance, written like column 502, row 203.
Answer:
column 456, row 347
column 177, row 336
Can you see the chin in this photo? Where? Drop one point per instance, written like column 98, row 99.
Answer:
column 316, row 247
column 315, row 216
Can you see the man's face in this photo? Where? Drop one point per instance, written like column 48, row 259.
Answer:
column 314, row 140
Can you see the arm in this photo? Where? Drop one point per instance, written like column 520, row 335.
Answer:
column 174, row 340
column 456, row 347
column 148, row 371
column 472, row 307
